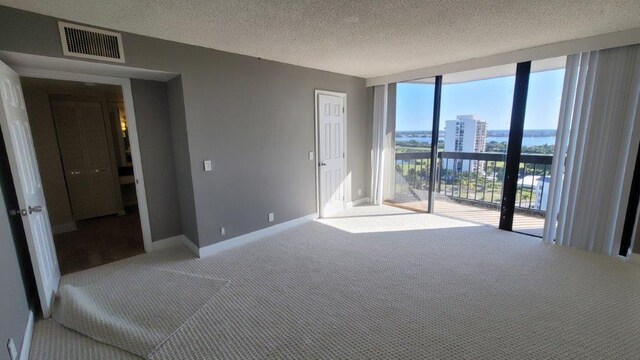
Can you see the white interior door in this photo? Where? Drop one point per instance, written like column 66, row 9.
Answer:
column 331, row 159
column 85, row 155
column 26, row 177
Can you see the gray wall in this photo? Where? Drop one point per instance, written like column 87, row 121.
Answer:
column 156, row 150
column 14, row 304
column 14, row 308
column 258, row 130
column 182, row 159
column 253, row 118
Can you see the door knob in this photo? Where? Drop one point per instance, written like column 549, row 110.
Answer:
column 36, row 208
column 323, row 164
column 21, row 212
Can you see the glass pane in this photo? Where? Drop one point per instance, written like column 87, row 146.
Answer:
column 474, row 127
column 539, row 138
column 414, row 122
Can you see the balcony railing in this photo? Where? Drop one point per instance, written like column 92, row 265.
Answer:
column 414, row 168
column 477, row 177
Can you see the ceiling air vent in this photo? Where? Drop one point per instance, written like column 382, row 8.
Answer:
column 90, row 43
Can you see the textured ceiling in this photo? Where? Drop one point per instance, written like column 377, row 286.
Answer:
column 353, row 37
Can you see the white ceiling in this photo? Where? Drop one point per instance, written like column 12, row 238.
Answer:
column 354, row 37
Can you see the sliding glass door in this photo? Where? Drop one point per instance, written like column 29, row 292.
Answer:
column 413, row 139
column 477, row 145
column 474, row 128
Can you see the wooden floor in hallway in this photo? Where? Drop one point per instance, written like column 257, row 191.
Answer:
column 100, row 241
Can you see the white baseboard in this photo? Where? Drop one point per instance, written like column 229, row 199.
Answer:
column 191, row 246
column 634, row 259
column 63, row 228
column 364, row 200
column 26, row 339
column 166, row 243
column 253, row 236
column 178, row 240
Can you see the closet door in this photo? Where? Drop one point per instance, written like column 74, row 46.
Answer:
column 96, row 148
column 74, row 160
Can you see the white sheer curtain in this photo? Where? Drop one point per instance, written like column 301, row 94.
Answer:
column 378, row 143
column 389, row 158
column 597, row 140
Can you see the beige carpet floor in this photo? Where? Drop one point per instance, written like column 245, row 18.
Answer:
column 379, row 282
column 135, row 308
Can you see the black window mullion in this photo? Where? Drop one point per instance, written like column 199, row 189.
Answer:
column 632, row 210
column 514, row 147
column 437, row 94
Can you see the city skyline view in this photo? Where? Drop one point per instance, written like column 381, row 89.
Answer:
column 489, row 100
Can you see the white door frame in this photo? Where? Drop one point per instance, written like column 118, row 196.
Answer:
column 127, row 95
column 346, row 191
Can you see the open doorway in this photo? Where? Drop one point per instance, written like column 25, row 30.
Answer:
column 81, row 140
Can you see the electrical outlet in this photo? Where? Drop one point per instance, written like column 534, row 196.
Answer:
column 223, row 232
column 13, row 351
column 271, row 217
column 360, row 192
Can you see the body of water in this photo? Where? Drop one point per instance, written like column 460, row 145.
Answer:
column 526, row 141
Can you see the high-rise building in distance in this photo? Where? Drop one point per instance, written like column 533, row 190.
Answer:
column 465, row 134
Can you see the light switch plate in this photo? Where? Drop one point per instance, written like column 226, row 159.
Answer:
column 310, row 155
column 207, row 165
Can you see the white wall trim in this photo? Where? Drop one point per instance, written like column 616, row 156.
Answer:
column 253, row 236
column 191, row 246
column 63, row 228
column 634, row 258
column 127, row 95
column 598, row 42
column 345, row 144
column 82, row 66
column 364, row 200
column 174, row 241
column 167, row 243
column 26, row 339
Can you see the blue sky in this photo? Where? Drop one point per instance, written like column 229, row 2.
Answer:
column 489, row 100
